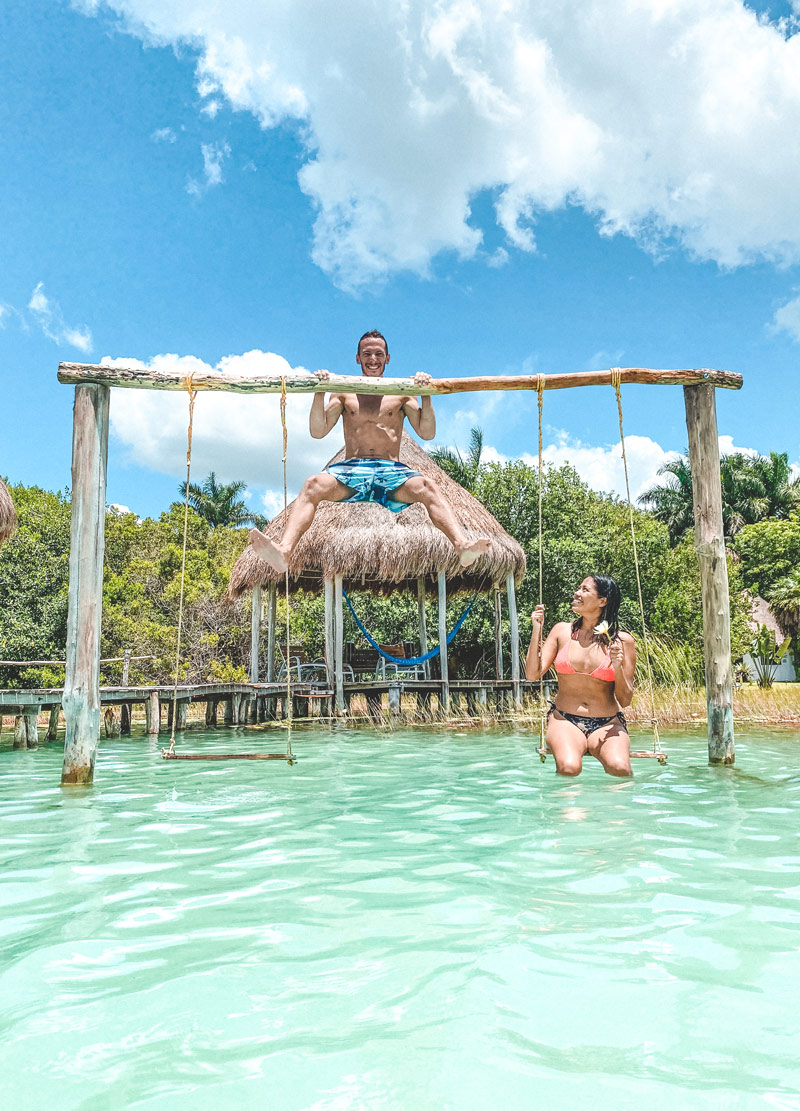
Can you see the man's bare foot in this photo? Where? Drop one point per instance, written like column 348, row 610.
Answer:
column 473, row 549
column 267, row 550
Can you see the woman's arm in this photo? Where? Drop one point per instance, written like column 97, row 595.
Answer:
column 623, row 657
column 549, row 650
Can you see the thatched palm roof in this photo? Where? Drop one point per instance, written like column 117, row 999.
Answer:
column 383, row 551
column 8, row 516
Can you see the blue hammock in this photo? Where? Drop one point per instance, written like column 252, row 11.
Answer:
column 406, row 661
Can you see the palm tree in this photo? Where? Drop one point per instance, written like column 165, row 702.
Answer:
column 784, row 601
column 464, row 471
column 671, row 503
column 220, row 504
column 753, row 487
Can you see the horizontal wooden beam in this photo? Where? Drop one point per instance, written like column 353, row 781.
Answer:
column 73, row 374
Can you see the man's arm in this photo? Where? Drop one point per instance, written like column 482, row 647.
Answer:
column 324, row 416
column 421, row 417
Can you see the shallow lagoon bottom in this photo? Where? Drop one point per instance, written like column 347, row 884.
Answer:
column 405, row 920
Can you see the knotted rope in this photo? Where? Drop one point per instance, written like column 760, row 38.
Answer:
column 616, row 382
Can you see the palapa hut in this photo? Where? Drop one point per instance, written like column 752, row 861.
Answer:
column 8, row 516
column 366, row 547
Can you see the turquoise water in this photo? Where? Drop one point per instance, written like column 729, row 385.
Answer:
column 400, row 921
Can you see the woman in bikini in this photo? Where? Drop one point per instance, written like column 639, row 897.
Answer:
column 594, row 662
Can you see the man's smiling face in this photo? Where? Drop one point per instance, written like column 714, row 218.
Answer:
column 372, row 357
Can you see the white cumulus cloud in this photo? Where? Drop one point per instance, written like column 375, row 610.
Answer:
column 48, row 316
column 787, row 318
column 664, row 119
column 237, row 436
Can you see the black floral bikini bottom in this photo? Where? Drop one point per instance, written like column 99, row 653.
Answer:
column 586, row 724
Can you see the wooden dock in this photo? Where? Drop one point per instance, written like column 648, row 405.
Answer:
column 250, row 703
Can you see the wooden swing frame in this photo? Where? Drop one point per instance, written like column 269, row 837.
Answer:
column 81, row 701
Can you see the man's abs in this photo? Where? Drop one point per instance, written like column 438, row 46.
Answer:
column 372, row 430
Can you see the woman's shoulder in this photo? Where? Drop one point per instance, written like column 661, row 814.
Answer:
column 562, row 628
column 626, row 638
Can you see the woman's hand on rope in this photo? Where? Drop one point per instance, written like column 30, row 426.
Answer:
column 616, row 651
column 537, row 618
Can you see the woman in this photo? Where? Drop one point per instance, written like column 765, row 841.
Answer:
column 594, row 662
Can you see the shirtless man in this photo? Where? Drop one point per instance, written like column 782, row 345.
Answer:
column 372, row 471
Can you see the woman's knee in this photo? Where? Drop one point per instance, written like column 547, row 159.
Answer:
column 570, row 766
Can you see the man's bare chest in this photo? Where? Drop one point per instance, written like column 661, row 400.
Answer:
column 364, row 410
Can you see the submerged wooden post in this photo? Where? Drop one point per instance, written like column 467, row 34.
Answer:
column 272, row 604
column 498, row 635
column 338, row 645
column 52, row 724
column 330, row 635
column 514, row 622
column 81, row 700
column 443, row 642
column 255, row 633
column 423, row 627
column 701, row 422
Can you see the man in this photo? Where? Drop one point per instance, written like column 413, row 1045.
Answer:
column 372, row 471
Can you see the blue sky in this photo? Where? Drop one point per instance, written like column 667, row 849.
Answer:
column 614, row 185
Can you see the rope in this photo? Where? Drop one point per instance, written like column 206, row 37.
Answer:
column 616, row 381
column 409, row 661
column 170, row 752
column 542, row 710
column 289, row 704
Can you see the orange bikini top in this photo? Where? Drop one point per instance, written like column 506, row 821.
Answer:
column 564, row 667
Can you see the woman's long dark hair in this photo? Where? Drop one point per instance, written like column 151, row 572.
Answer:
column 608, row 589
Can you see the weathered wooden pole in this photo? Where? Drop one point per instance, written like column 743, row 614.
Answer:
column 150, row 379
column 709, row 542
column 338, row 645
column 330, row 634
column 442, row 581
column 81, row 699
column 153, row 714
column 272, row 609
column 498, row 635
column 423, row 626
column 514, row 622
column 255, row 633
column 52, row 723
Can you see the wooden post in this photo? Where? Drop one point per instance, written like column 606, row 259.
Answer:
column 125, row 709
column 701, row 422
column 498, row 635
column 180, row 720
column 330, row 635
column 514, row 622
column 255, row 633
column 227, row 710
column 111, row 725
column 126, row 666
column 81, row 699
column 445, row 697
column 338, row 645
column 395, row 698
column 20, row 732
column 152, row 709
column 423, row 627
column 272, row 609
column 52, row 725
column 211, row 713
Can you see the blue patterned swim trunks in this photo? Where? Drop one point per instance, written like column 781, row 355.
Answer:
column 373, row 480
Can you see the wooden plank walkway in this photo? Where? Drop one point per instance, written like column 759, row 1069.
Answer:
column 250, row 703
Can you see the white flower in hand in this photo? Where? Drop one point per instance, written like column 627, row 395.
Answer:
column 602, row 629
